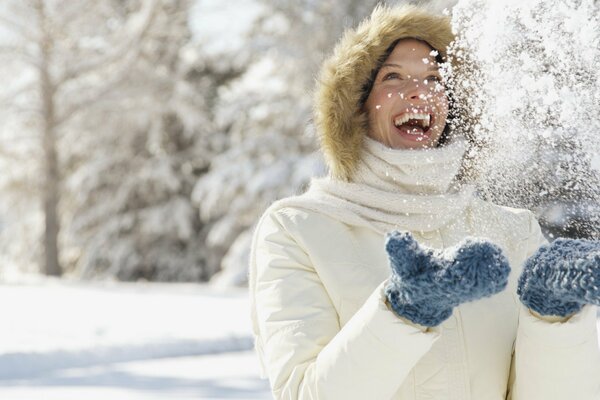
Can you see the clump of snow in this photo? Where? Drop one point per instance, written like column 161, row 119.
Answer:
column 222, row 27
column 596, row 162
column 234, row 267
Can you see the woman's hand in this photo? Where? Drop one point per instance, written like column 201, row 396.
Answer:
column 426, row 285
column 560, row 278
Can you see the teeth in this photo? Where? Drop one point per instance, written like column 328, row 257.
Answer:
column 424, row 119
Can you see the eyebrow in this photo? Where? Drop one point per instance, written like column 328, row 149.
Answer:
column 432, row 68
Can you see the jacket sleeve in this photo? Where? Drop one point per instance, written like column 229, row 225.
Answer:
column 302, row 348
column 555, row 360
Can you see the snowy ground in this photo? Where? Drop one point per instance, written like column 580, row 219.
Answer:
column 62, row 341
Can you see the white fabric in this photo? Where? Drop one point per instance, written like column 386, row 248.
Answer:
column 323, row 331
column 426, row 171
column 394, row 189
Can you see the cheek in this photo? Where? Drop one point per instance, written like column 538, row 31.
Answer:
column 378, row 108
column 381, row 99
column 385, row 96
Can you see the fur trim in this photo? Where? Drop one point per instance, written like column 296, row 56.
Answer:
column 340, row 123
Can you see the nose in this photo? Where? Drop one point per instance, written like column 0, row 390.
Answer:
column 417, row 89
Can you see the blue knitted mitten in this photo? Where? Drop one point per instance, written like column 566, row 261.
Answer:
column 427, row 284
column 560, row 278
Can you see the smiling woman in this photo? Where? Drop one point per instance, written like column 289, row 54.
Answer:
column 390, row 278
column 407, row 105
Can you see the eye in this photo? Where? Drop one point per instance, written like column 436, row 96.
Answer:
column 433, row 78
column 390, row 76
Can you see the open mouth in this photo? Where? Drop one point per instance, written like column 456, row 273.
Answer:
column 415, row 124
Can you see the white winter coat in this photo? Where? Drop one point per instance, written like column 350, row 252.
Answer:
column 323, row 330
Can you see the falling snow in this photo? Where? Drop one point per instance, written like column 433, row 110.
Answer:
column 528, row 85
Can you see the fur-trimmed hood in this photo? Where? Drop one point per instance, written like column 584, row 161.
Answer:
column 340, row 122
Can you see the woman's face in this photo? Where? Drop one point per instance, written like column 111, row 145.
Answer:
column 407, row 106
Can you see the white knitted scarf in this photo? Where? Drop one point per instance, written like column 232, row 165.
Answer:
column 393, row 189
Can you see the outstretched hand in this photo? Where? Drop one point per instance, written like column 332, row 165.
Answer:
column 426, row 285
column 562, row 277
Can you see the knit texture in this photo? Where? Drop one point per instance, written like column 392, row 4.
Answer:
column 562, row 277
column 426, row 284
column 394, row 189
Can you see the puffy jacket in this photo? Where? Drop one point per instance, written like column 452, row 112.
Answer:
column 323, row 330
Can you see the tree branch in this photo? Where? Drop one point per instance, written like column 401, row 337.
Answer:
column 20, row 50
column 143, row 20
column 107, row 87
column 24, row 88
column 21, row 30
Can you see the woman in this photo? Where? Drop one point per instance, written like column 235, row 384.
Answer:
column 332, row 320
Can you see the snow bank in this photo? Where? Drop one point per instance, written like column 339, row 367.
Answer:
column 61, row 325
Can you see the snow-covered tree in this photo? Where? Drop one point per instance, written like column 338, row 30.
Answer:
column 56, row 52
column 134, row 217
column 127, row 119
